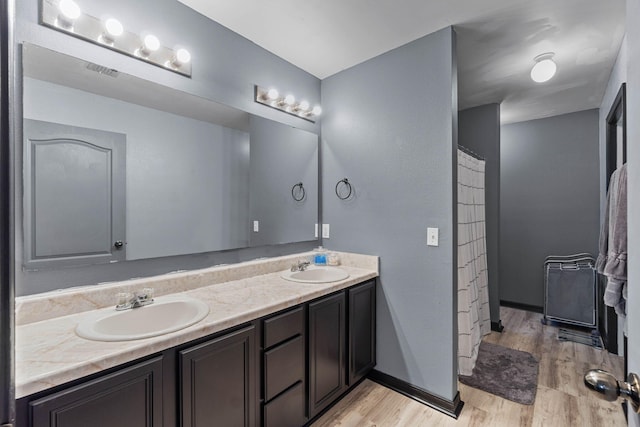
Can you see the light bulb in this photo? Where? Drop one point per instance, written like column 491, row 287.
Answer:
column 183, row 56
column 304, row 105
column 151, row 43
column 317, row 110
column 69, row 9
column 114, row 27
column 273, row 94
column 289, row 99
column 544, row 69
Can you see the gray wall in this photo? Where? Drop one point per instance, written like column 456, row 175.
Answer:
column 479, row 130
column 549, row 198
column 390, row 129
column 225, row 68
column 282, row 156
column 633, row 188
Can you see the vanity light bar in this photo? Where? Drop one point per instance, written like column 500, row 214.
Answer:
column 286, row 103
column 66, row 16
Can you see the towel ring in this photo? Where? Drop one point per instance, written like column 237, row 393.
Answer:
column 347, row 184
column 301, row 193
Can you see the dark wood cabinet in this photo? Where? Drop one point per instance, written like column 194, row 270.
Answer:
column 327, row 352
column 279, row 371
column 218, row 381
column 130, row 397
column 362, row 330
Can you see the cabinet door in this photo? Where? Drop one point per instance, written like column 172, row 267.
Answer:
column 131, row 397
column 218, row 381
column 327, row 379
column 362, row 330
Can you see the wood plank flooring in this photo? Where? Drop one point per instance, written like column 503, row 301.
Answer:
column 561, row 398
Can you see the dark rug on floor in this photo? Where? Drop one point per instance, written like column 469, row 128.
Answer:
column 505, row 372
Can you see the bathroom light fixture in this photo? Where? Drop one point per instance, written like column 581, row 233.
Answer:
column 150, row 44
column 113, row 28
column 290, row 100
column 181, row 57
column 272, row 98
column 273, row 94
column 544, row 68
column 67, row 17
column 69, row 12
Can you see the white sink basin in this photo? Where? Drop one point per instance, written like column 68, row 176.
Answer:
column 167, row 314
column 315, row 274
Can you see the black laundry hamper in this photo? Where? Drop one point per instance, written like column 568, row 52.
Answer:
column 570, row 290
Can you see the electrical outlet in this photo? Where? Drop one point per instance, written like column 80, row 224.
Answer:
column 325, row 231
column 432, row 237
column 256, row 226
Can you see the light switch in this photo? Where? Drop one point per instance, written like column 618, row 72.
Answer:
column 256, row 226
column 325, row 231
column 316, row 232
column 432, row 237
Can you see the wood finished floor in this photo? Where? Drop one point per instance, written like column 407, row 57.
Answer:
column 561, row 398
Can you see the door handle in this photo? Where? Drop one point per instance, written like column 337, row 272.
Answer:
column 118, row 244
column 609, row 388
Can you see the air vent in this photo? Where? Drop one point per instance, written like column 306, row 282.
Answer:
column 102, row 69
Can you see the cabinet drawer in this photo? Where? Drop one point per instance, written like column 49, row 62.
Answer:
column 283, row 327
column 287, row 410
column 283, row 367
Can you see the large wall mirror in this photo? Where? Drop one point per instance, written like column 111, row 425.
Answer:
column 118, row 168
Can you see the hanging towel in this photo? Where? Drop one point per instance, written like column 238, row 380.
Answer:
column 612, row 260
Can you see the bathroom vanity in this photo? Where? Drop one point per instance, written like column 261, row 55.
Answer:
column 270, row 353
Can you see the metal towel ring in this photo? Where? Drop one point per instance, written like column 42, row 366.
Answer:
column 346, row 182
column 301, row 192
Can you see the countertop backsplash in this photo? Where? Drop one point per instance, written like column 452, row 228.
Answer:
column 48, row 305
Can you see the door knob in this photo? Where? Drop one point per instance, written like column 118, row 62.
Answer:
column 609, row 388
column 118, row 244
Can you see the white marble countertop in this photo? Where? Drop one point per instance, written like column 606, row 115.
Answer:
column 49, row 353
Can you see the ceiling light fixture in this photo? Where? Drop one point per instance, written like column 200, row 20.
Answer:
column 272, row 98
column 544, row 68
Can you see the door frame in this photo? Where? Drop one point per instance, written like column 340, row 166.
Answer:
column 7, row 70
column 617, row 114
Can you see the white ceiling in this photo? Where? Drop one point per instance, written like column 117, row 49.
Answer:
column 497, row 41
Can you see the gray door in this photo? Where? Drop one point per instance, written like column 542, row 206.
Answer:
column 74, row 195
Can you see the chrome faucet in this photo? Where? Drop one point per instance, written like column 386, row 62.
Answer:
column 300, row 266
column 128, row 301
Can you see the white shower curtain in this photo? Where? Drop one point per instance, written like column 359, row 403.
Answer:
column 473, row 293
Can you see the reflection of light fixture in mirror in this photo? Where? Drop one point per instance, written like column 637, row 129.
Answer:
column 67, row 17
column 271, row 98
column 289, row 100
column 69, row 12
column 544, row 69
column 273, row 94
column 112, row 29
